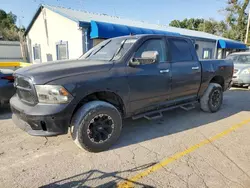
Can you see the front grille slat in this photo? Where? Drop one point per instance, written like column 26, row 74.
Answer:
column 25, row 90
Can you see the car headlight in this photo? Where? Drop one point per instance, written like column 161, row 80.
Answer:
column 246, row 71
column 52, row 94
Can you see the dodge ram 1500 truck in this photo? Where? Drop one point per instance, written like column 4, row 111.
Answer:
column 130, row 76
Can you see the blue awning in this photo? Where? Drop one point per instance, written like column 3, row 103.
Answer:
column 109, row 30
column 228, row 44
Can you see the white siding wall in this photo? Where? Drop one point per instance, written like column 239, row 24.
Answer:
column 59, row 28
column 205, row 44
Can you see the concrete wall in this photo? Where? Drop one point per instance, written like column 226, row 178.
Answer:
column 51, row 28
column 10, row 51
column 205, row 44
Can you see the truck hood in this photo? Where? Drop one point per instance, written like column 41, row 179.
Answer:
column 46, row 72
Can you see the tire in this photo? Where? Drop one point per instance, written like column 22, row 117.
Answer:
column 86, row 123
column 208, row 102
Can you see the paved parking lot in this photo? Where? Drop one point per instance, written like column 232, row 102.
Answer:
column 184, row 149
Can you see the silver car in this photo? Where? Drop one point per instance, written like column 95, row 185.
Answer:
column 241, row 76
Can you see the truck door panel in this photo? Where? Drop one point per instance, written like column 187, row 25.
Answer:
column 149, row 83
column 185, row 70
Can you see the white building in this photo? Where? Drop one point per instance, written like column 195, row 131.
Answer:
column 57, row 33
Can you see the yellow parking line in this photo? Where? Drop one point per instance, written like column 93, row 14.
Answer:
column 130, row 182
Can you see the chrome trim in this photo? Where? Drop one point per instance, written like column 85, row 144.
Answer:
column 30, row 89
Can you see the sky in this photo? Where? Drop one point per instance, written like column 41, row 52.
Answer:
column 151, row 11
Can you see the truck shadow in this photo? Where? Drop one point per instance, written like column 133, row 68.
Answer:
column 81, row 180
column 5, row 112
column 178, row 120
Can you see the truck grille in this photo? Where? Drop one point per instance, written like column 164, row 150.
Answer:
column 25, row 90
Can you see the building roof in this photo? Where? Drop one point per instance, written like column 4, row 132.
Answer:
column 82, row 16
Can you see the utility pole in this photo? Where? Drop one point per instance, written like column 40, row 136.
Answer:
column 204, row 25
column 248, row 24
column 21, row 40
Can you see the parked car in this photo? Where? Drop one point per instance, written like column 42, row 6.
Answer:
column 241, row 76
column 7, row 89
column 131, row 76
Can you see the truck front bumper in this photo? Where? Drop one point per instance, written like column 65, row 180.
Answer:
column 41, row 119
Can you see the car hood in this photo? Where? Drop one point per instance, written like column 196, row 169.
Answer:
column 46, row 72
column 241, row 66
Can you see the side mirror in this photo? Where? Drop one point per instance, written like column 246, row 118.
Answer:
column 134, row 62
column 147, row 57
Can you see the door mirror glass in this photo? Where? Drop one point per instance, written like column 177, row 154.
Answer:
column 147, row 57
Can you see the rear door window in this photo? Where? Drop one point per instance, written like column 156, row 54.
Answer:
column 180, row 50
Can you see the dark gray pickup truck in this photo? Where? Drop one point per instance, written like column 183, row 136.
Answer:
column 131, row 76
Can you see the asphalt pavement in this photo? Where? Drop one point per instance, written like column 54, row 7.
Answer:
column 184, row 149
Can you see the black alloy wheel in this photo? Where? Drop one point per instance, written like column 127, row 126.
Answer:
column 216, row 98
column 100, row 128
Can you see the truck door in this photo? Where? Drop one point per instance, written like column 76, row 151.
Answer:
column 185, row 69
column 149, row 83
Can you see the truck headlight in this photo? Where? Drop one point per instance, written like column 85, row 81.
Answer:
column 52, row 94
column 246, row 71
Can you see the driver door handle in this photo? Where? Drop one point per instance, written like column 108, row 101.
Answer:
column 195, row 68
column 164, row 71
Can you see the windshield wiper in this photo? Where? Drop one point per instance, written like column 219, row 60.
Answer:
column 101, row 47
column 118, row 50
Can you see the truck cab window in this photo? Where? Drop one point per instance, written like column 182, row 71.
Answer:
column 180, row 50
column 153, row 45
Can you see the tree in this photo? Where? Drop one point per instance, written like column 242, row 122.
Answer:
column 236, row 19
column 192, row 24
column 8, row 28
column 234, row 26
column 208, row 26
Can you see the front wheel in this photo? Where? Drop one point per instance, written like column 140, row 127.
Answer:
column 212, row 98
column 96, row 126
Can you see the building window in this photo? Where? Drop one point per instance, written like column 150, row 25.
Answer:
column 62, row 50
column 37, row 52
column 207, row 53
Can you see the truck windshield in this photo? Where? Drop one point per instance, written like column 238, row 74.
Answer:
column 111, row 49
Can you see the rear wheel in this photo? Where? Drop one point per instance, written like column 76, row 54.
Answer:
column 212, row 99
column 96, row 126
